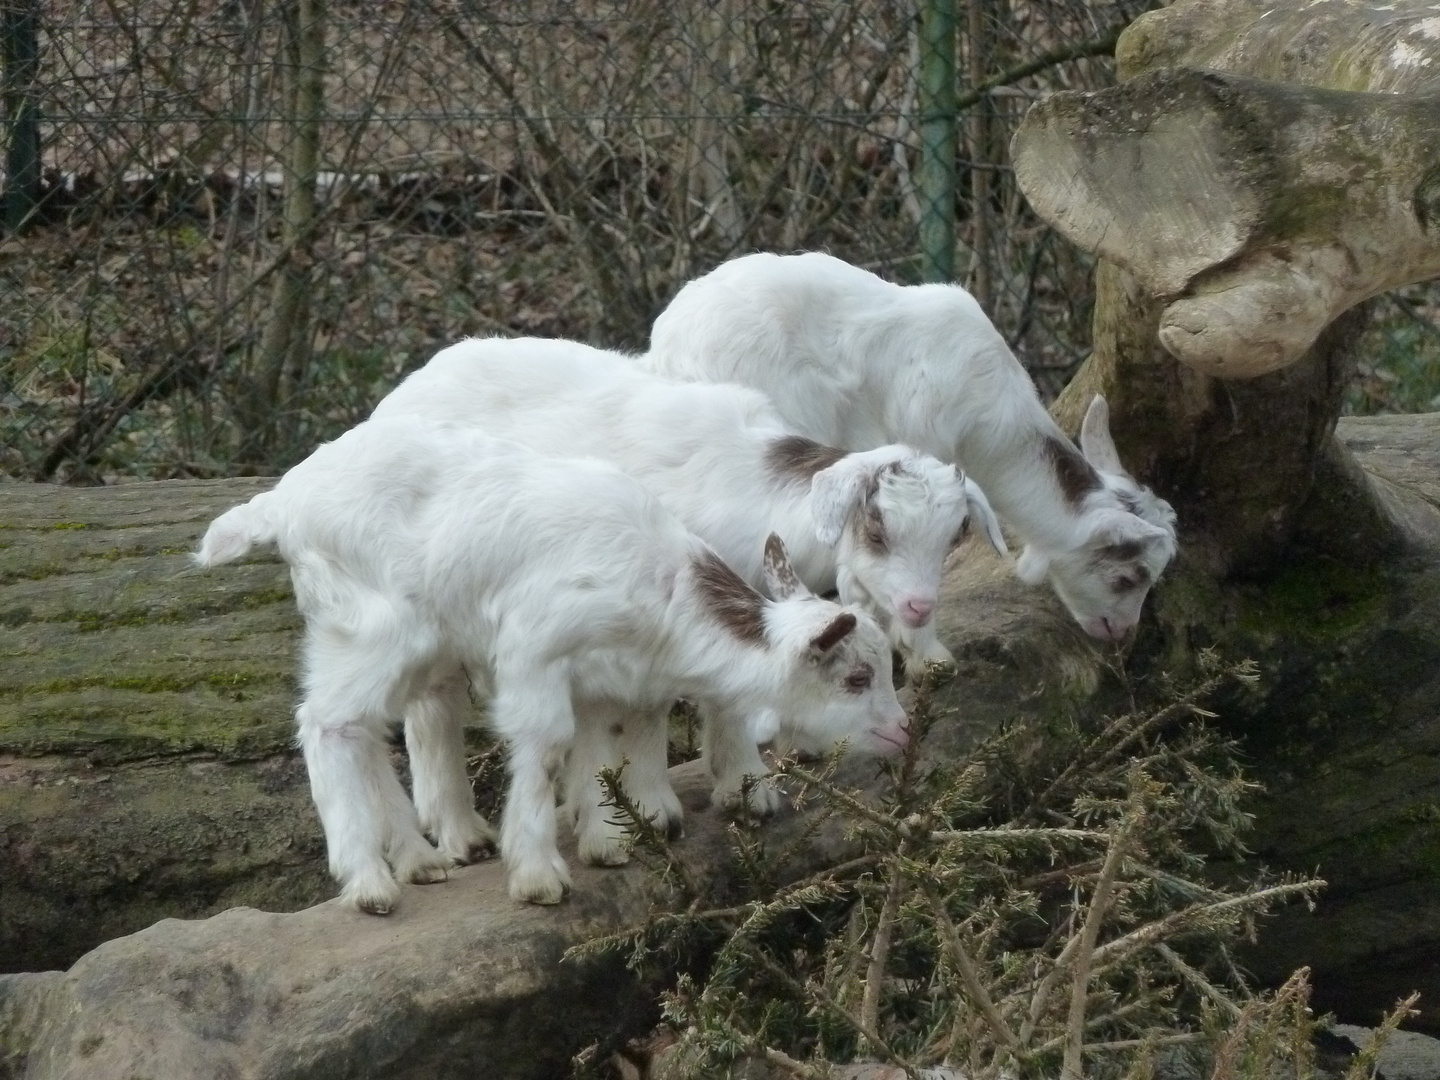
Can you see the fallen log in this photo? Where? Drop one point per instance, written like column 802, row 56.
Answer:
column 462, row 980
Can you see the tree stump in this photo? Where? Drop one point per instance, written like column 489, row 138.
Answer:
column 1240, row 221
column 1259, row 172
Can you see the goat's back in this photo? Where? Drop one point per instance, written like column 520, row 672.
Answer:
column 460, row 527
column 847, row 358
column 700, row 447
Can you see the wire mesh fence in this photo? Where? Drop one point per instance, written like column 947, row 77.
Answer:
column 231, row 225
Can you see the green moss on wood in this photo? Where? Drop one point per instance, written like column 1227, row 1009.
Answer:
column 37, row 572
column 91, row 621
column 1314, row 600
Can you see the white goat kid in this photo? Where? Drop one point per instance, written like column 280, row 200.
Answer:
column 876, row 526
column 422, row 553
column 854, row 361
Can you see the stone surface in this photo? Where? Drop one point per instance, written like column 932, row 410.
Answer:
column 1405, row 1055
column 460, row 981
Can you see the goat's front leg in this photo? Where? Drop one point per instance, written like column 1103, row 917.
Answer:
column 730, row 756
column 435, row 741
column 532, row 711
column 599, row 831
column 608, row 734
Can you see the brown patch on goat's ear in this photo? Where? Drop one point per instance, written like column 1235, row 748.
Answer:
column 794, row 457
column 833, row 634
column 726, row 596
column 779, row 574
column 1076, row 476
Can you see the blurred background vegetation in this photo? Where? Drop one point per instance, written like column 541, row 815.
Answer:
column 231, row 225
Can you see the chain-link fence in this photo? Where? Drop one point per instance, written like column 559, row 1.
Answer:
column 232, row 224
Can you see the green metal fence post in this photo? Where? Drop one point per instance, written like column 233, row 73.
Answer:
column 20, row 68
column 935, row 179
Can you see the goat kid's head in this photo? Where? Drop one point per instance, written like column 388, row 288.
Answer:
column 1127, row 539
column 894, row 515
column 838, row 683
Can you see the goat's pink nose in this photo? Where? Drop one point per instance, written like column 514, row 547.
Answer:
column 917, row 612
column 1115, row 630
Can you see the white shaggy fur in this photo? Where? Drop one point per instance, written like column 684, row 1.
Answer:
column 425, row 556
column 876, row 526
column 854, row 361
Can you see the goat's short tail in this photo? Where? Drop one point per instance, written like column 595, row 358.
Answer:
column 235, row 532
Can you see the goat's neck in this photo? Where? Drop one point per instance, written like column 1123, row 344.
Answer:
column 1013, row 457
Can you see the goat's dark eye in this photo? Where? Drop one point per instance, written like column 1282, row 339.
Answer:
column 875, row 532
column 1125, row 584
column 858, row 681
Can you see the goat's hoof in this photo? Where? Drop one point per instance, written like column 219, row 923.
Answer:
column 419, row 863
column 669, row 821
column 376, row 898
column 544, row 883
column 469, row 852
column 429, row 874
column 765, row 799
column 474, row 841
column 604, row 851
column 479, row 851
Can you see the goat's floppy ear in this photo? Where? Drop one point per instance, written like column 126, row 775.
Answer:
column 781, row 581
column 1095, row 441
column 834, row 494
column 839, row 628
column 980, row 513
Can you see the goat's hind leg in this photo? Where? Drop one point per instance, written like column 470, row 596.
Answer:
column 435, row 740
column 351, row 692
column 532, row 711
column 357, row 795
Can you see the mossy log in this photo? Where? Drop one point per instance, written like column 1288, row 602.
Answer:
column 104, row 832
column 146, row 760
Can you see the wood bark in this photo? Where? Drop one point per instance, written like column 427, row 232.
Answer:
column 285, row 344
column 1260, row 171
column 1258, row 210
